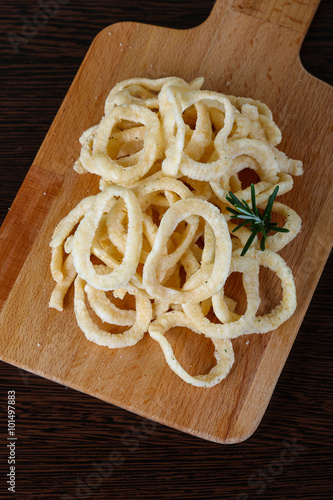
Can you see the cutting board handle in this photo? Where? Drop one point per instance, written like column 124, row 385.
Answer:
column 293, row 14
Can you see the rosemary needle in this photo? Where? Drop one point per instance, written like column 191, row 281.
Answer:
column 259, row 224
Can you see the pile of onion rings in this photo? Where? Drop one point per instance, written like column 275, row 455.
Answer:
column 167, row 153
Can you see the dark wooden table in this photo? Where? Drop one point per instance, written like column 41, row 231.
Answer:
column 72, row 446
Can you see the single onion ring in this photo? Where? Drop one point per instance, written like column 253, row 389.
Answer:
column 176, row 213
column 233, row 325
column 111, row 170
column 263, row 189
column 293, row 223
column 224, row 353
column 104, row 338
column 84, row 237
column 287, row 306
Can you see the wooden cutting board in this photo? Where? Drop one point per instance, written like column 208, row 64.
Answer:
column 245, row 48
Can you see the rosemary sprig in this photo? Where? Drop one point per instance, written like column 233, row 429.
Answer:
column 259, row 224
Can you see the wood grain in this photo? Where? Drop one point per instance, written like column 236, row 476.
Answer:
column 295, row 15
column 267, row 68
column 37, row 192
